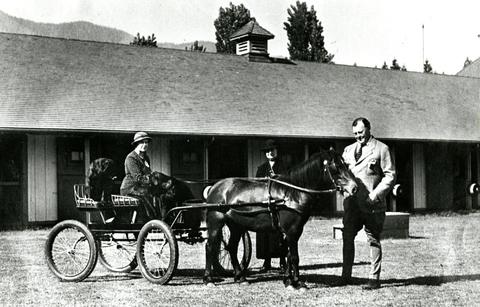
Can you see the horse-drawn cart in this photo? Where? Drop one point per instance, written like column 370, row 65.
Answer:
column 237, row 204
column 73, row 248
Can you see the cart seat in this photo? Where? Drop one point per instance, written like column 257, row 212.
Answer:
column 121, row 201
column 83, row 199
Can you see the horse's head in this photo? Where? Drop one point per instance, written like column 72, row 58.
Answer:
column 340, row 174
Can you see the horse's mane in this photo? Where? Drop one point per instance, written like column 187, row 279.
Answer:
column 308, row 171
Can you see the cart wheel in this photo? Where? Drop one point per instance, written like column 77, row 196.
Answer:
column 157, row 252
column 117, row 251
column 70, row 251
column 223, row 265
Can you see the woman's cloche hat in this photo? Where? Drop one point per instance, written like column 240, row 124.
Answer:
column 269, row 144
column 140, row 136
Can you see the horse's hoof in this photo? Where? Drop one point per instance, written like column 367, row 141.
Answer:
column 290, row 288
column 210, row 284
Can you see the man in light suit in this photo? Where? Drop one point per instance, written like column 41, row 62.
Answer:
column 374, row 168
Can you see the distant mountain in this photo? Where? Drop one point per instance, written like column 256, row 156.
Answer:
column 81, row 30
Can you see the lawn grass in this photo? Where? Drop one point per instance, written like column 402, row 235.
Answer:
column 438, row 265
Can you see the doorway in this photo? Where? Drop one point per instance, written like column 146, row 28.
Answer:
column 227, row 158
column 70, row 171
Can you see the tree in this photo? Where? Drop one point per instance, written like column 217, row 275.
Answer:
column 384, row 66
column 395, row 65
column 427, row 68
column 229, row 20
column 305, row 35
column 404, row 68
column 141, row 41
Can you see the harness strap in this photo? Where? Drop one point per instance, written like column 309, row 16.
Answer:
column 272, row 208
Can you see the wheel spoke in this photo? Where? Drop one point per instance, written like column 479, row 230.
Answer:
column 70, row 251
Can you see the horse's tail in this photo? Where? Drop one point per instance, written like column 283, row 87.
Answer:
column 206, row 191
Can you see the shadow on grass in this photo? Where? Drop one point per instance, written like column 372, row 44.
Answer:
column 416, row 237
column 320, row 280
column 184, row 277
column 114, row 277
column 328, row 265
column 429, row 280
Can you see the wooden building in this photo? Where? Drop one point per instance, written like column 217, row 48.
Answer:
column 64, row 103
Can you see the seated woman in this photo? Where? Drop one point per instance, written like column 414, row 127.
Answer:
column 137, row 173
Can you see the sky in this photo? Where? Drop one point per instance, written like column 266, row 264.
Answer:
column 361, row 32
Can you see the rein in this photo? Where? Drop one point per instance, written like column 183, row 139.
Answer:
column 311, row 191
column 306, row 190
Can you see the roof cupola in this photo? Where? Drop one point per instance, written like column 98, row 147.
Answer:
column 251, row 40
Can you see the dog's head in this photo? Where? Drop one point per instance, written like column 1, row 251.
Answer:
column 101, row 168
column 162, row 184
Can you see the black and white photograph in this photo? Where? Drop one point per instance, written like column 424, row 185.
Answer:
column 239, row 153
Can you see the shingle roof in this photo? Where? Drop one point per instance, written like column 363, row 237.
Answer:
column 65, row 85
column 251, row 28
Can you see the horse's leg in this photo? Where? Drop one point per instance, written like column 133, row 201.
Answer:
column 239, row 272
column 287, row 273
column 294, row 262
column 214, row 226
column 292, row 275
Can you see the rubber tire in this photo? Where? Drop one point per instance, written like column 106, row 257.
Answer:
column 103, row 257
column 87, row 235
column 164, row 277
column 222, row 265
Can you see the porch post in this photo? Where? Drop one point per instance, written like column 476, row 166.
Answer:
column 393, row 199
column 419, row 178
column 468, row 175
column 86, row 158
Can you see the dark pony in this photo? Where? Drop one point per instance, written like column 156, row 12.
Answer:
column 270, row 205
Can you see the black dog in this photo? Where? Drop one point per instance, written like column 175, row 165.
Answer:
column 101, row 179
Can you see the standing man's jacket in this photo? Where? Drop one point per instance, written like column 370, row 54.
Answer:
column 136, row 175
column 375, row 173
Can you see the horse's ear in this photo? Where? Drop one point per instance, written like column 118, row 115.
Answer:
column 331, row 149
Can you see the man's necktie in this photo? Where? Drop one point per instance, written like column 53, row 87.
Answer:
column 358, row 152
